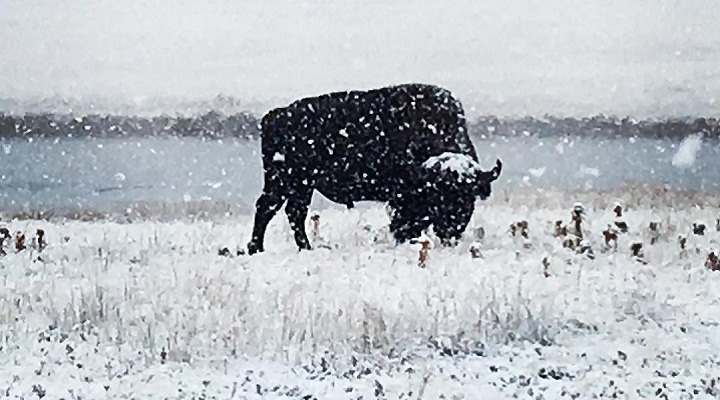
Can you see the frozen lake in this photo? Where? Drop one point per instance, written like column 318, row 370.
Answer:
column 45, row 174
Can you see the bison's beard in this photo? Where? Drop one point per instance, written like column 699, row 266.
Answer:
column 484, row 190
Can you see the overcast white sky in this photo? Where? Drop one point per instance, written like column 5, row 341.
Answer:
column 643, row 58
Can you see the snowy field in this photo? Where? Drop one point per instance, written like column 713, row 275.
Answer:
column 150, row 310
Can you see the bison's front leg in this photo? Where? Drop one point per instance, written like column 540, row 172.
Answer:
column 451, row 221
column 407, row 222
column 297, row 210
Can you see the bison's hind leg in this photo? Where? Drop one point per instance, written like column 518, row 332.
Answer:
column 297, row 210
column 271, row 200
column 265, row 209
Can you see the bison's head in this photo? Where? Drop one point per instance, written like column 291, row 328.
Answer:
column 460, row 172
column 485, row 178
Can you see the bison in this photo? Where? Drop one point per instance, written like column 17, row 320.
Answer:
column 404, row 145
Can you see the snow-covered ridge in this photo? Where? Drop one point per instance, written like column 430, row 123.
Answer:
column 220, row 123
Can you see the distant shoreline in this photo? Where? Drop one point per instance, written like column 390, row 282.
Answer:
column 215, row 125
column 632, row 195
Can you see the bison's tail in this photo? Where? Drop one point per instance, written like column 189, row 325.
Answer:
column 266, row 123
column 270, row 143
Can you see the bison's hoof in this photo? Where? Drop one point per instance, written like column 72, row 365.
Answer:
column 304, row 246
column 449, row 242
column 254, row 248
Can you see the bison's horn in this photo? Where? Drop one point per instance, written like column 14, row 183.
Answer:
column 493, row 174
column 497, row 169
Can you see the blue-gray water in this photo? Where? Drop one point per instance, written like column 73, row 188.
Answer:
column 45, row 174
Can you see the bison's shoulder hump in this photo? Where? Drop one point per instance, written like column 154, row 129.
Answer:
column 428, row 97
column 412, row 89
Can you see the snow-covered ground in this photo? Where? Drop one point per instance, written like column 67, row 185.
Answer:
column 150, row 310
